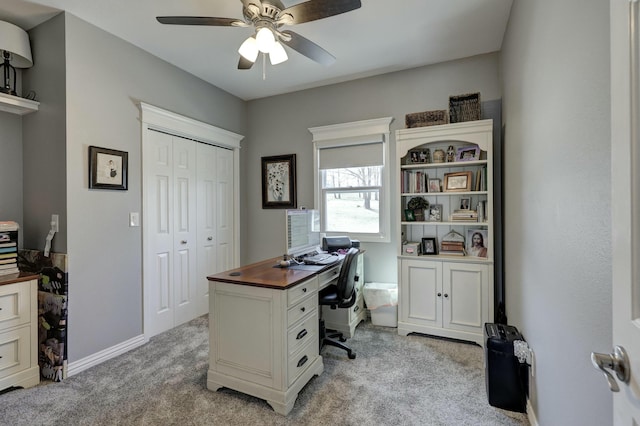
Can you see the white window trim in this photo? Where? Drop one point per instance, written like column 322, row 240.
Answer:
column 356, row 133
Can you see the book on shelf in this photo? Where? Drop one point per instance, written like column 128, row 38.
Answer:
column 8, row 266
column 464, row 215
column 9, row 271
column 414, row 181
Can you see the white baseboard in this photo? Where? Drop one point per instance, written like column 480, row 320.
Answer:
column 530, row 414
column 104, row 355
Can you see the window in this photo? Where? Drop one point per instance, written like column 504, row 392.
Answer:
column 352, row 179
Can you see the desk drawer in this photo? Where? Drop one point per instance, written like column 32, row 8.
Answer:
column 299, row 362
column 14, row 304
column 301, row 333
column 15, row 350
column 301, row 291
column 329, row 275
column 301, row 309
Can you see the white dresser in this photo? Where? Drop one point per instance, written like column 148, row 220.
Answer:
column 19, row 331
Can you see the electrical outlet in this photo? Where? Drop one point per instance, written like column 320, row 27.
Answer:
column 55, row 223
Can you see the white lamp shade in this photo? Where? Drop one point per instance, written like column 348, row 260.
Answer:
column 249, row 49
column 15, row 40
column 265, row 39
column 277, row 54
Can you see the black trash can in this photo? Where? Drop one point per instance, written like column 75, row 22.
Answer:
column 507, row 378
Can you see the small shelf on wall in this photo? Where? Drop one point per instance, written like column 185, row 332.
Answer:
column 17, row 105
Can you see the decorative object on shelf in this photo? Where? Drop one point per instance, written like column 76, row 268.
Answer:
column 418, row 205
column 452, row 244
column 426, row 118
column 451, row 154
column 417, row 156
column 409, row 216
column 477, row 242
column 411, row 249
column 464, row 107
column 465, row 203
column 108, row 168
column 438, row 156
column 429, row 246
column 457, row 181
column 468, row 153
column 434, row 185
column 435, row 213
column 16, row 52
column 279, row 182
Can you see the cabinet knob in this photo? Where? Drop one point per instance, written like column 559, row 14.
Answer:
column 183, row 242
column 209, row 238
column 439, row 294
column 303, row 309
column 446, row 295
column 304, row 290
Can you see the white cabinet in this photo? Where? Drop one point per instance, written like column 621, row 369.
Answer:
column 450, row 295
column 263, row 341
column 345, row 320
column 449, row 299
column 19, row 334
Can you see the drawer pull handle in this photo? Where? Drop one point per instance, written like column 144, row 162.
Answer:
column 303, row 309
column 183, row 242
column 301, row 334
column 304, row 290
column 302, row 361
column 356, row 309
column 209, row 238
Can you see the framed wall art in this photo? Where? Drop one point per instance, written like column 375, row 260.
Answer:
column 108, row 168
column 279, row 182
column 457, row 181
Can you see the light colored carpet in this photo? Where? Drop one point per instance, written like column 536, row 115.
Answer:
column 395, row 380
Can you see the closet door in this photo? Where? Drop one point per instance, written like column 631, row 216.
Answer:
column 185, row 230
column 207, row 219
column 158, row 232
column 224, row 210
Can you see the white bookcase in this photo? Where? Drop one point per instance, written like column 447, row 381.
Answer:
column 449, row 295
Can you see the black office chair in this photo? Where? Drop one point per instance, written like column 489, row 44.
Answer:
column 340, row 295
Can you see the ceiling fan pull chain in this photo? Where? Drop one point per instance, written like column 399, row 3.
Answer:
column 264, row 66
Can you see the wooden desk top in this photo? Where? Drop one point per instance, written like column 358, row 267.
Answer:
column 267, row 274
column 17, row 277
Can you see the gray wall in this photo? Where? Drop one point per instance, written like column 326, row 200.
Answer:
column 279, row 125
column 557, row 183
column 106, row 78
column 11, row 166
column 44, row 141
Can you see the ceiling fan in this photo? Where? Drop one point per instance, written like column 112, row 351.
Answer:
column 268, row 17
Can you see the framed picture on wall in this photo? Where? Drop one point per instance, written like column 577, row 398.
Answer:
column 108, row 168
column 279, row 182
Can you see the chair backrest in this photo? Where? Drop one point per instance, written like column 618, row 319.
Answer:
column 347, row 279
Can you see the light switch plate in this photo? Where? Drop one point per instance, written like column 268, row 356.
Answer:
column 134, row 219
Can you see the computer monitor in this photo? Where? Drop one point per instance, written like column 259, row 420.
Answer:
column 302, row 232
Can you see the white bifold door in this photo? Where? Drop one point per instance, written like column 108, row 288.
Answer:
column 188, row 226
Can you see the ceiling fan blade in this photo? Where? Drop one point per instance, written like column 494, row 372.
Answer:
column 244, row 64
column 307, row 48
column 201, row 20
column 313, row 10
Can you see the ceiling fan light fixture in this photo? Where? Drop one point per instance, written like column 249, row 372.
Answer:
column 249, row 49
column 277, row 54
column 266, row 40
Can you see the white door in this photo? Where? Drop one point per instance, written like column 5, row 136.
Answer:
column 206, row 217
column 225, row 210
column 625, row 214
column 184, row 230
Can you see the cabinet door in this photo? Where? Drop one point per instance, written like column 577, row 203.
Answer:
column 465, row 296
column 419, row 289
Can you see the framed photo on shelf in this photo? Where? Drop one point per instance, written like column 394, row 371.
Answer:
column 429, row 246
column 477, row 242
column 418, row 156
column 279, row 182
column 465, row 203
column 409, row 216
column 434, row 185
column 468, row 153
column 108, row 168
column 457, row 181
column 435, row 213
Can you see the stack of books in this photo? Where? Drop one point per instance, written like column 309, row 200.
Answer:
column 464, row 215
column 8, row 248
column 452, row 247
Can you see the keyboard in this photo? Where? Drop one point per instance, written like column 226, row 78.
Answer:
column 320, row 259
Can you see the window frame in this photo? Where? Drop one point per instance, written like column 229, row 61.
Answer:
column 349, row 134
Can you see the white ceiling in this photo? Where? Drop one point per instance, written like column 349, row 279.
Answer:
column 380, row 37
